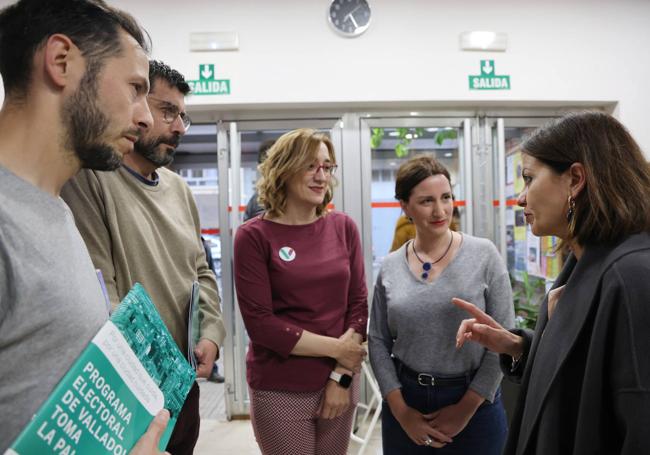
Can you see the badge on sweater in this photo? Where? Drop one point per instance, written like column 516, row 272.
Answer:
column 287, row 254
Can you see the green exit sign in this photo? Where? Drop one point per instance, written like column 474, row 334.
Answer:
column 207, row 84
column 488, row 80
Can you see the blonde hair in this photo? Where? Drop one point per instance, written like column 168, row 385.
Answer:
column 291, row 154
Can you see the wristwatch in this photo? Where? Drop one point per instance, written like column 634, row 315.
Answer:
column 343, row 379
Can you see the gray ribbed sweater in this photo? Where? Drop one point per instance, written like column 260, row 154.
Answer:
column 416, row 321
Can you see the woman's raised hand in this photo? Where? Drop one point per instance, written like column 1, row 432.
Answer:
column 486, row 331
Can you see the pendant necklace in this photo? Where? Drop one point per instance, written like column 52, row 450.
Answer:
column 426, row 266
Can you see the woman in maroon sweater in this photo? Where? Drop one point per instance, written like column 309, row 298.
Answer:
column 302, row 293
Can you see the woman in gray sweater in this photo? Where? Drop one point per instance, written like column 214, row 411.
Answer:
column 437, row 396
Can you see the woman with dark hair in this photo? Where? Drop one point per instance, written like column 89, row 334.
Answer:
column 302, row 294
column 585, row 371
column 434, row 395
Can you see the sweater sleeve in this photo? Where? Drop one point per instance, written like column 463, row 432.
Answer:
column 85, row 197
column 357, row 312
column 7, row 284
column 498, row 304
column 253, row 287
column 380, row 342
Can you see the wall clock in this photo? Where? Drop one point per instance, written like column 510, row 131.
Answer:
column 349, row 18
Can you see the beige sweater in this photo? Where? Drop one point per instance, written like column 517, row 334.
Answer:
column 151, row 235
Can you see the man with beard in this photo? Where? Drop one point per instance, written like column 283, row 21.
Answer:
column 141, row 224
column 75, row 79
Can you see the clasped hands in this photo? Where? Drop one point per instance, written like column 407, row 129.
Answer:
column 437, row 428
column 350, row 352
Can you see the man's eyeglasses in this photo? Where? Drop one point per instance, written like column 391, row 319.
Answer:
column 328, row 168
column 171, row 112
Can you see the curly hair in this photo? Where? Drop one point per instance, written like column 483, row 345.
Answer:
column 290, row 155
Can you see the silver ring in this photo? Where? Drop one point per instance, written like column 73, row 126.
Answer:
column 428, row 441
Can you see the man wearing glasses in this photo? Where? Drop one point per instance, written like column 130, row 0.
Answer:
column 141, row 224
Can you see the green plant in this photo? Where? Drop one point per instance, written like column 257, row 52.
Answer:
column 526, row 296
column 377, row 135
column 441, row 135
column 404, row 136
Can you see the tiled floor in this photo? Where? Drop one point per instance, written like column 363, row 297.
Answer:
column 211, row 404
column 220, row 437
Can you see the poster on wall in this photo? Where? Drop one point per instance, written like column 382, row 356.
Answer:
column 551, row 260
column 510, row 246
column 532, row 253
column 520, row 241
column 518, row 179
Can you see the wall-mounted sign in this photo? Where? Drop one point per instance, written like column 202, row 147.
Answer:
column 207, row 84
column 488, row 80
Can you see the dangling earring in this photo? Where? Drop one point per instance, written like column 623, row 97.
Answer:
column 571, row 216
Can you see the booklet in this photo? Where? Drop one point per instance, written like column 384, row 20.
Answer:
column 130, row 370
column 193, row 324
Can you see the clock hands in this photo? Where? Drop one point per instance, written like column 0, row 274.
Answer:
column 351, row 17
column 353, row 21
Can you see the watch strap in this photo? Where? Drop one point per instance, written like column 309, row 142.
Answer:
column 344, row 380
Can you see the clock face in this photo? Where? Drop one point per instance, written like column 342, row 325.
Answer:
column 349, row 17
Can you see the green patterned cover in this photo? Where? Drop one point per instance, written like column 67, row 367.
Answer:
column 129, row 371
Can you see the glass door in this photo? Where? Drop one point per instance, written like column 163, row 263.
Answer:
column 533, row 262
column 196, row 162
column 524, row 253
column 205, row 169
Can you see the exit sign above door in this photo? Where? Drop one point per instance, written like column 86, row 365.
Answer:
column 488, row 80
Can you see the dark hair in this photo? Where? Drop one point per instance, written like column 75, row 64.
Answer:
column 413, row 171
column 615, row 201
column 158, row 70
column 92, row 26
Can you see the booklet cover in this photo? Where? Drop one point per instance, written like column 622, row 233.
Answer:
column 130, row 370
column 193, row 324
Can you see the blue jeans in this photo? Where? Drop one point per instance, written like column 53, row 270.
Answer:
column 485, row 434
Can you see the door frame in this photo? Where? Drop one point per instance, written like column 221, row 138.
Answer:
column 350, row 132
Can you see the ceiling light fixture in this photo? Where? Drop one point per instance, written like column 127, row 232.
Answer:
column 214, row 41
column 483, row 41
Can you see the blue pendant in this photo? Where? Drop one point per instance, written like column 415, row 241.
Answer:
column 426, row 266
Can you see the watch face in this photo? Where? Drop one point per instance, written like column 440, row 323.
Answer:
column 345, row 380
column 349, row 17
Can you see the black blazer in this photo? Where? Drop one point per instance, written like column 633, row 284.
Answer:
column 585, row 374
